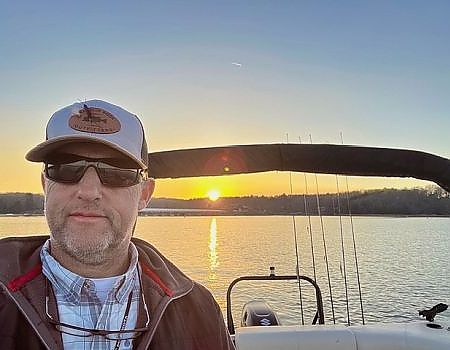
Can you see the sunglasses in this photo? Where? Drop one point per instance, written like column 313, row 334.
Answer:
column 118, row 335
column 109, row 175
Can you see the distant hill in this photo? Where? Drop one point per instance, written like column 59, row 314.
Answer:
column 420, row 201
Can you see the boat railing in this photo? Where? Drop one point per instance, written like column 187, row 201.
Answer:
column 319, row 316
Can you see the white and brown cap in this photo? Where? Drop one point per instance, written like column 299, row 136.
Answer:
column 94, row 121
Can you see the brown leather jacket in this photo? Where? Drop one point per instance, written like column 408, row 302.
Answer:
column 184, row 315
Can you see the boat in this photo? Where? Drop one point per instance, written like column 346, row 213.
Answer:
column 260, row 327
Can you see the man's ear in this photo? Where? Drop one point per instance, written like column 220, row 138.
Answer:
column 148, row 186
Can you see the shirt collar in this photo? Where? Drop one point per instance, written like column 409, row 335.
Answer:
column 69, row 285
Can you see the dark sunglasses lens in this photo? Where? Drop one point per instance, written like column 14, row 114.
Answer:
column 70, row 173
column 109, row 175
column 117, row 177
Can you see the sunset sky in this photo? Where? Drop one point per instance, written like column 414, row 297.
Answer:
column 208, row 73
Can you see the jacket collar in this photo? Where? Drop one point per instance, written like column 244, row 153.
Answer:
column 25, row 252
column 161, row 271
column 21, row 275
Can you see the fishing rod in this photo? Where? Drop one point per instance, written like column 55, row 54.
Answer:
column 349, row 210
column 324, row 242
column 355, row 253
column 309, row 227
column 297, row 257
column 342, row 248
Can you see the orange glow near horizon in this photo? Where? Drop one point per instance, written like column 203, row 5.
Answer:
column 19, row 175
column 23, row 176
column 273, row 184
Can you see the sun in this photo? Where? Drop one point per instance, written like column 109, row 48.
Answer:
column 213, row 195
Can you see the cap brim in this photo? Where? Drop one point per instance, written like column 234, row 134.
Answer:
column 44, row 150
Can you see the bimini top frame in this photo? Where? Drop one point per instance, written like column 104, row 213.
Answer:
column 310, row 158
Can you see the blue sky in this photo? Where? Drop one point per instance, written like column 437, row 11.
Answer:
column 377, row 71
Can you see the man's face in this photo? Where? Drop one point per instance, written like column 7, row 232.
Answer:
column 90, row 222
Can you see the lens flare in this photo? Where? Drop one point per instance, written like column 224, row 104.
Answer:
column 213, row 195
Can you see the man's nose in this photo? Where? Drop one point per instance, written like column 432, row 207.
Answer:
column 90, row 187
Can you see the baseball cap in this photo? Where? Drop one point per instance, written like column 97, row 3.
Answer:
column 94, row 121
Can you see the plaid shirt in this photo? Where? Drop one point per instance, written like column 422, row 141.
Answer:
column 79, row 305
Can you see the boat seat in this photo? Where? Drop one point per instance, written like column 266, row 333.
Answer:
column 294, row 338
column 382, row 336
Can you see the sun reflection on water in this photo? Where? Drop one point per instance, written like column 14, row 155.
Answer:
column 212, row 254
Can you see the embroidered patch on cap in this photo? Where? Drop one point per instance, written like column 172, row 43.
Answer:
column 94, row 120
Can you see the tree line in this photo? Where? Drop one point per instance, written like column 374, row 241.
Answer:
column 419, row 201
column 21, row 203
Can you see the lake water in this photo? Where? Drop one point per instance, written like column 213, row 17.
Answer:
column 404, row 263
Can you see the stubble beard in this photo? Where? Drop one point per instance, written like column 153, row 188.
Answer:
column 86, row 251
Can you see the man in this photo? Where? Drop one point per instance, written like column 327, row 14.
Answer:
column 90, row 285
